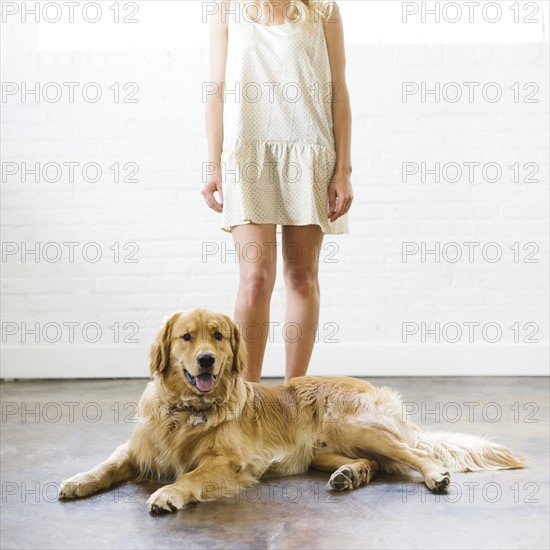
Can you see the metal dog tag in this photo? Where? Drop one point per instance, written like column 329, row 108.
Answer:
column 199, row 419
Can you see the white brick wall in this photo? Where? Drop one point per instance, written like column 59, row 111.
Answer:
column 367, row 294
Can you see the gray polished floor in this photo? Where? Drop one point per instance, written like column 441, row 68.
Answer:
column 52, row 430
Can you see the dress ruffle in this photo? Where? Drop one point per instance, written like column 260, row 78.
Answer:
column 278, row 182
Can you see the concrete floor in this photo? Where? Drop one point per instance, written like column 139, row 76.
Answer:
column 52, row 430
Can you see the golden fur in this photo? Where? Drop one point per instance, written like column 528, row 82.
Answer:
column 216, row 443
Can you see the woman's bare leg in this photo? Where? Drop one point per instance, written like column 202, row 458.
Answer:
column 257, row 253
column 301, row 248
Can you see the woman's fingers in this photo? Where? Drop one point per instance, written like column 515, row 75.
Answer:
column 331, row 202
column 348, row 204
column 343, row 204
column 339, row 209
column 213, row 203
column 210, row 199
column 220, row 191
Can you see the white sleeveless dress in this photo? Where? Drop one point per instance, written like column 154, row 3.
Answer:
column 278, row 154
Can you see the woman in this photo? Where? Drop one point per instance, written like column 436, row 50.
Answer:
column 279, row 135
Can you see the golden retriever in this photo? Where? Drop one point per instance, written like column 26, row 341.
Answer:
column 213, row 434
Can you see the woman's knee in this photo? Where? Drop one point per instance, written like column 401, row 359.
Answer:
column 302, row 281
column 257, row 284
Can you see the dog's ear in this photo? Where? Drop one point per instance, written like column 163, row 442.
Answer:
column 160, row 349
column 239, row 348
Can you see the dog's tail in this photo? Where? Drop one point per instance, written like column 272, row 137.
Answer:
column 463, row 453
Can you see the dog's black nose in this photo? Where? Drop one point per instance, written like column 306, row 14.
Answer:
column 206, row 360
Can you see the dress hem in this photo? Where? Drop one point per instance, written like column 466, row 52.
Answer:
column 227, row 228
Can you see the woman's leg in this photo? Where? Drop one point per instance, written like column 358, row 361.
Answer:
column 257, row 253
column 301, row 249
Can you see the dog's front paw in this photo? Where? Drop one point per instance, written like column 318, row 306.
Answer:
column 166, row 499
column 438, row 482
column 80, row 485
column 342, row 479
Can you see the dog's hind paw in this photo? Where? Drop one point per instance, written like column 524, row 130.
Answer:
column 341, row 480
column 439, row 483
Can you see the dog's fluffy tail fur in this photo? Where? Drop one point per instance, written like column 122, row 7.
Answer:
column 463, row 453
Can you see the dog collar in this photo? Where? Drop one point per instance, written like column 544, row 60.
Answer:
column 198, row 415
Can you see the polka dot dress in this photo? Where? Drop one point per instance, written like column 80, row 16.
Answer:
column 278, row 154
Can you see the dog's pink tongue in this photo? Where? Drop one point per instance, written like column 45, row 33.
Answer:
column 205, row 382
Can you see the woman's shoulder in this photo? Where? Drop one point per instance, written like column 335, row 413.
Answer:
column 329, row 8
column 222, row 6
column 220, row 11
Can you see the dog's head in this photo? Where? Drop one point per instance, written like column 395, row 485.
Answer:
column 198, row 350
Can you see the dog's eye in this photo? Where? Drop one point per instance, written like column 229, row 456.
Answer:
column 186, row 337
column 218, row 335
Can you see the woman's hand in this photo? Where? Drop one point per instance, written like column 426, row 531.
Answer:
column 213, row 184
column 340, row 196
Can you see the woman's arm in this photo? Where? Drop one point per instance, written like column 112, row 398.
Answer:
column 214, row 105
column 340, row 191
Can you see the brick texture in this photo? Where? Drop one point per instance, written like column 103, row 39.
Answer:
column 153, row 230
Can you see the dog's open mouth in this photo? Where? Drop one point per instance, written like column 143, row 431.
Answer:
column 203, row 382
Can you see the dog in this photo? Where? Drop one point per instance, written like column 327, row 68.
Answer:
column 213, row 434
